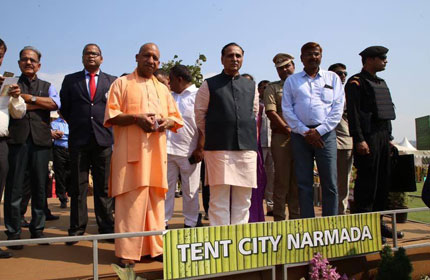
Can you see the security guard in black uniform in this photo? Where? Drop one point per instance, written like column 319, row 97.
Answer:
column 370, row 112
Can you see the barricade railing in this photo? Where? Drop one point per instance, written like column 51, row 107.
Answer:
column 96, row 237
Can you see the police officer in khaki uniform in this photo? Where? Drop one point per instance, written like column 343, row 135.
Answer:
column 285, row 186
column 370, row 112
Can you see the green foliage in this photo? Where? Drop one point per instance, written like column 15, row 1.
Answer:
column 397, row 267
column 126, row 273
column 194, row 69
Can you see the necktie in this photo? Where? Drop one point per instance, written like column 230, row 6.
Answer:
column 92, row 86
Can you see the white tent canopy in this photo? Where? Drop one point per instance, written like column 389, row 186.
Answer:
column 421, row 156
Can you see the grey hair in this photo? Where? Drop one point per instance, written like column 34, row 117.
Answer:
column 31, row 48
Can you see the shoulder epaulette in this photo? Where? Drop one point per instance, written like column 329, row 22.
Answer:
column 355, row 80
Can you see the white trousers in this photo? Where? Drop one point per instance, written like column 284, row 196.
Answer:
column 226, row 209
column 190, row 181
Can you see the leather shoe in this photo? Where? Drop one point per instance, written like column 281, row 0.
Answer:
column 269, row 214
column 52, row 217
column 24, row 223
column 15, row 247
column 124, row 263
column 5, row 255
column 39, row 235
column 158, row 258
column 70, row 243
column 388, row 232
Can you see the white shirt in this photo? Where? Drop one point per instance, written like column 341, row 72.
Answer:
column 311, row 101
column 184, row 142
column 16, row 108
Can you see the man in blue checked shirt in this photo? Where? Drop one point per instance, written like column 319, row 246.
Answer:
column 60, row 134
column 312, row 105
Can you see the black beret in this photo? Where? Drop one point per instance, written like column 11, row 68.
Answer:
column 374, row 51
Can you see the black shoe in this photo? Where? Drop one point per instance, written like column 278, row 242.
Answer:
column 5, row 255
column 15, row 247
column 71, row 243
column 269, row 214
column 177, row 194
column 124, row 263
column 24, row 223
column 51, row 217
column 199, row 221
column 206, row 217
column 63, row 204
column 158, row 258
column 39, row 235
column 388, row 232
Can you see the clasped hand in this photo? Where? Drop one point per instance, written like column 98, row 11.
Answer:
column 149, row 123
column 313, row 138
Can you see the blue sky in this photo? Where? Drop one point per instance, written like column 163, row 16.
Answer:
column 60, row 29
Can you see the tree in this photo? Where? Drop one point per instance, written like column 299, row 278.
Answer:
column 194, row 69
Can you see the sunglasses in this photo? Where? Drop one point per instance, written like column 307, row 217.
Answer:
column 340, row 73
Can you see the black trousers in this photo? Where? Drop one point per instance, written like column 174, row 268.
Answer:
column 4, row 164
column 26, row 194
column 97, row 159
column 62, row 172
column 373, row 173
column 33, row 159
column 205, row 189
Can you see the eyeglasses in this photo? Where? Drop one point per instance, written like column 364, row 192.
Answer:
column 25, row 59
column 95, row 54
column 340, row 73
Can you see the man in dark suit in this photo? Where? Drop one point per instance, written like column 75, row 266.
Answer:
column 84, row 96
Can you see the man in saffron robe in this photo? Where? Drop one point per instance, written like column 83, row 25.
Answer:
column 140, row 109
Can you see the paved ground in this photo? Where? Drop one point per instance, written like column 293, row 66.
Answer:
column 59, row 261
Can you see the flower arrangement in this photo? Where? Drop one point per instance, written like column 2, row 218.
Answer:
column 322, row 270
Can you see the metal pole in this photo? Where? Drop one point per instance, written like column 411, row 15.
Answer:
column 394, row 226
column 285, row 271
column 273, row 272
column 95, row 260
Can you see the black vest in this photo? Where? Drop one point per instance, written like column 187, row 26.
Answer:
column 383, row 101
column 35, row 123
column 230, row 119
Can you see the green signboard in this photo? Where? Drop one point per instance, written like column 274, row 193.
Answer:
column 202, row 251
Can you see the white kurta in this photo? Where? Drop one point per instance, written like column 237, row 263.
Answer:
column 237, row 168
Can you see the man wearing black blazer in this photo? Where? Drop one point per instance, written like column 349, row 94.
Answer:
column 84, row 95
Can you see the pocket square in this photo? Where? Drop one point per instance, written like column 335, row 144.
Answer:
column 328, row 86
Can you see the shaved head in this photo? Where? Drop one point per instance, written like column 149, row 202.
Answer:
column 148, row 45
column 148, row 60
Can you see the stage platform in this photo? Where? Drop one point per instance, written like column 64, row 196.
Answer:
column 58, row 261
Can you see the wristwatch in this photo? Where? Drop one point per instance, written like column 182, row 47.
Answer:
column 33, row 99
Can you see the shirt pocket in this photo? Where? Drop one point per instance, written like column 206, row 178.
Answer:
column 327, row 95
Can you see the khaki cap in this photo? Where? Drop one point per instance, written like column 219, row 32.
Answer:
column 282, row 59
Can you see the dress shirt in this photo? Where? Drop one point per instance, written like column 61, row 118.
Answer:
column 61, row 125
column 311, row 101
column 16, row 109
column 87, row 80
column 53, row 94
column 184, row 142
